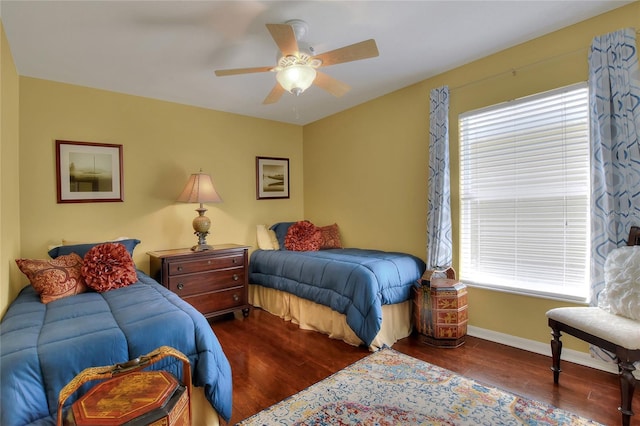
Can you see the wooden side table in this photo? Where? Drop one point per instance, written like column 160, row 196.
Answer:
column 215, row 282
column 440, row 311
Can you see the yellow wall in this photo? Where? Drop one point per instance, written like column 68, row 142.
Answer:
column 9, row 178
column 366, row 168
column 163, row 144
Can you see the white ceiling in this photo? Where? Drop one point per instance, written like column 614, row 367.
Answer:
column 169, row 49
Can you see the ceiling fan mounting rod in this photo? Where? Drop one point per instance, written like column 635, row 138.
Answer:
column 300, row 28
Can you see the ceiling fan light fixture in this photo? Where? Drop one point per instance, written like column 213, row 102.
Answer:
column 296, row 79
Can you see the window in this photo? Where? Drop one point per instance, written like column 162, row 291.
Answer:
column 525, row 195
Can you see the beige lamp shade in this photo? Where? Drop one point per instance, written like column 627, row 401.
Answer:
column 199, row 189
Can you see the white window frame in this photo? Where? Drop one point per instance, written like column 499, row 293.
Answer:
column 524, row 195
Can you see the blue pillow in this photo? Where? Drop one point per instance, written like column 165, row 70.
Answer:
column 82, row 249
column 281, row 229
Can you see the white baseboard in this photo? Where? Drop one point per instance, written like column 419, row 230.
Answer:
column 569, row 355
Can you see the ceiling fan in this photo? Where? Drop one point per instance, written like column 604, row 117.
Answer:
column 297, row 66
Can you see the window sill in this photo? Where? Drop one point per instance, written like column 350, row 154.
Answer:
column 578, row 300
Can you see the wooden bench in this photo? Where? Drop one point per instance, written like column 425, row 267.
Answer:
column 614, row 333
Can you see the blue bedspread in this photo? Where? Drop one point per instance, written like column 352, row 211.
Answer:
column 43, row 347
column 354, row 282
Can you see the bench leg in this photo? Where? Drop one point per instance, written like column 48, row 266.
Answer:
column 627, row 387
column 556, row 350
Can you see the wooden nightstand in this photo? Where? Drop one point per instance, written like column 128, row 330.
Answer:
column 215, row 282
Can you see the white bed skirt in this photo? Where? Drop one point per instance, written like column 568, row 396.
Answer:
column 396, row 319
column 202, row 413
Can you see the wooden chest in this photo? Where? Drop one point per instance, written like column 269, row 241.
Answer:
column 126, row 395
column 140, row 398
column 440, row 311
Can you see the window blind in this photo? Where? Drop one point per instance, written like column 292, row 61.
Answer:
column 525, row 195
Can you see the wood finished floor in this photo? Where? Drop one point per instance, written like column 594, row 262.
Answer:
column 272, row 359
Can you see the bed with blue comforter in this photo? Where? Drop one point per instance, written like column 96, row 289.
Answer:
column 351, row 281
column 43, row 346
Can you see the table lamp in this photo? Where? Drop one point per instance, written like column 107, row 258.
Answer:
column 199, row 189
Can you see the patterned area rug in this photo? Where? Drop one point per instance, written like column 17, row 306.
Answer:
column 390, row 388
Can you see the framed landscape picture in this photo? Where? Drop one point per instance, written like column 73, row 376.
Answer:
column 88, row 172
column 272, row 178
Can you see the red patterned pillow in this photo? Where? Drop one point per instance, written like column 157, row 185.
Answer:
column 330, row 237
column 303, row 236
column 108, row 266
column 56, row 278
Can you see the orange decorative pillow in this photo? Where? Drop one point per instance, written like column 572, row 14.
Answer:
column 330, row 237
column 303, row 236
column 56, row 278
column 108, row 266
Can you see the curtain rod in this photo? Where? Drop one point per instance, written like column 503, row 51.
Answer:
column 513, row 71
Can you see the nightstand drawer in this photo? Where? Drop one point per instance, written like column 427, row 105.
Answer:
column 196, row 283
column 218, row 301
column 200, row 265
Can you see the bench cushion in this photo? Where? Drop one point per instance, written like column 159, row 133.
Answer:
column 616, row 329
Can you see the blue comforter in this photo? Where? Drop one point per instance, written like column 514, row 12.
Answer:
column 43, row 347
column 354, row 282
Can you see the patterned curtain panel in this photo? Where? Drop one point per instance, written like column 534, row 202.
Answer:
column 614, row 85
column 439, row 246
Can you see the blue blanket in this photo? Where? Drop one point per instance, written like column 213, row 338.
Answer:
column 354, row 282
column 43, row 347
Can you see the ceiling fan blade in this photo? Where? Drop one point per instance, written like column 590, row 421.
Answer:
column 285, row 38
column 236, row 71
column 275, row 95
column 330, row 84
column 363, row 50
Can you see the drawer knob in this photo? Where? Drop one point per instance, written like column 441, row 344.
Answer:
column 208, row 262
column 180, row 286
column 179, row 268
column 235, row 261
column 235, row 297
column 235, row 277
